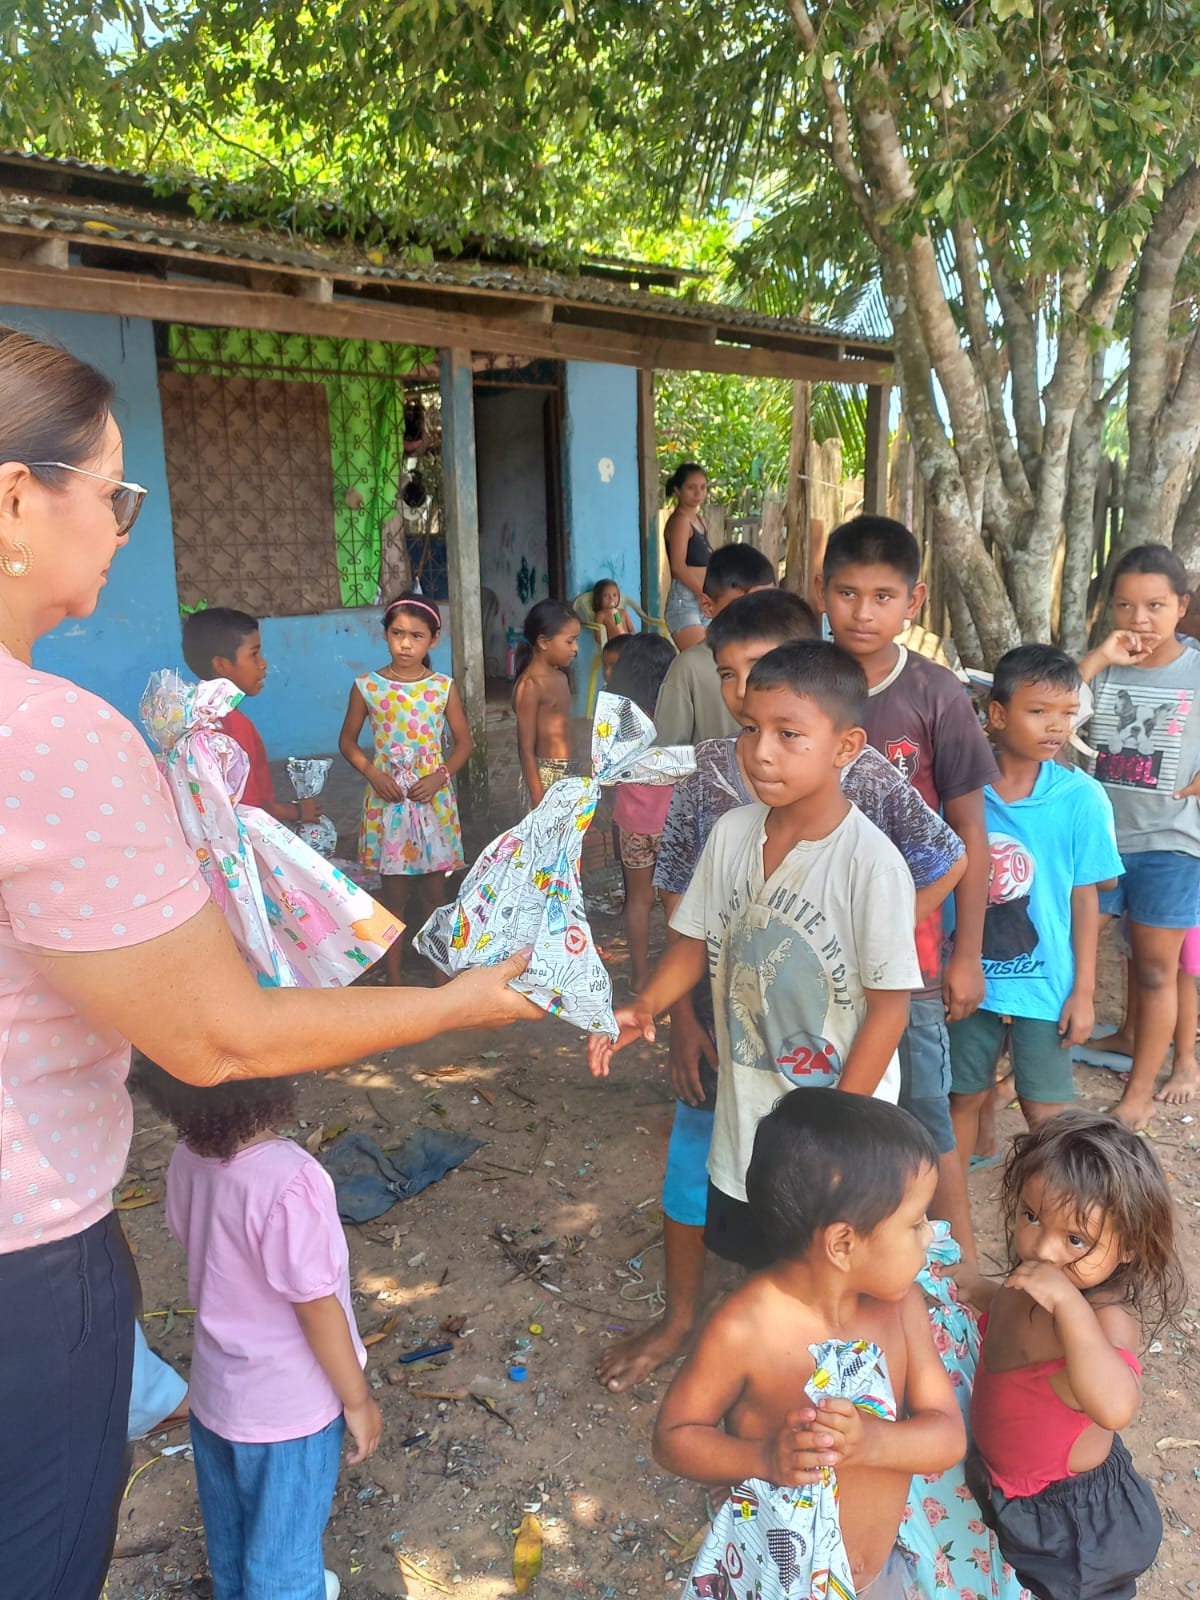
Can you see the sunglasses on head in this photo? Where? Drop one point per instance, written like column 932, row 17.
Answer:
column 126, row 497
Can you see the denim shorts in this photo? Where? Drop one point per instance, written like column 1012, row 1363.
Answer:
column 1041, row 1067
column 925, row 1070
column 1160, row 889
column 685, row 1187
column 682, row 609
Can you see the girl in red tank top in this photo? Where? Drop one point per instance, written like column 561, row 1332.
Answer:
column 1091, row 1239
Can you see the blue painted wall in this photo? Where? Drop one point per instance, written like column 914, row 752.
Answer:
column 135, row 628
column 600, row 487
column 136, row 625
column 313, row 661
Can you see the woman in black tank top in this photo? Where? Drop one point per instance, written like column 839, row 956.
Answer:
column 688, row 551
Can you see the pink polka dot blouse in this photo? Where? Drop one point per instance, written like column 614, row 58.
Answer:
column 91, row 858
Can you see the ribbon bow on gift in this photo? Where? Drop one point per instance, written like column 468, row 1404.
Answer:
column 524, row 890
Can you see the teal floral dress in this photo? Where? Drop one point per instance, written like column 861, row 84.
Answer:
column 408, row 720
column 956, row 1556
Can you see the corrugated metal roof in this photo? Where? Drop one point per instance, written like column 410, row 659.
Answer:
column 28, row 205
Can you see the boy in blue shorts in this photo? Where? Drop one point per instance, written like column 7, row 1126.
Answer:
column 738, row 638
column 1051, row 844
column 921, row 718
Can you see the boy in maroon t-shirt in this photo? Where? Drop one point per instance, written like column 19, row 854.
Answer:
column 221, row 643
column 921, row 718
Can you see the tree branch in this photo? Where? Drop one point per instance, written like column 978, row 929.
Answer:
column 967, row 256
column 839, row 122
column 1020, row 331
column 1167, row 242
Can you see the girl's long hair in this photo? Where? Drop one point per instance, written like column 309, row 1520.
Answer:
column 1103, row 1170
column 545, row 620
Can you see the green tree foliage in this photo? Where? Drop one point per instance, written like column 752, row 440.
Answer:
column 1019, row 176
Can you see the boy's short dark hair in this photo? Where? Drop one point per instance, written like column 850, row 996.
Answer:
column 737, row 566
column 870, row 541
column 614, row 646
column 1033, row 663
column 821, row 1156
column 772, row 614
column 822, row 672
column 215, row 631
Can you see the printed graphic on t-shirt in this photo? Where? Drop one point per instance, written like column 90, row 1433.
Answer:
column 1138, row 732
column 773, row 1025
column 1009, row 935
column 905, row 756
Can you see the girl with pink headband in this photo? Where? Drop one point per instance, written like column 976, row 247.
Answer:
column 410, row 828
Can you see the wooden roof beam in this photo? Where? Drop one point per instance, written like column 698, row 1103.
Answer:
column 175, row 300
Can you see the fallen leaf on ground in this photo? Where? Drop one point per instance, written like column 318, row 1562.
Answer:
column 380, row 1334
column 1171, row 1443
column 527, row 1553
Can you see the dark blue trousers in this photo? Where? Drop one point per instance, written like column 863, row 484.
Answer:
column 66, row 1355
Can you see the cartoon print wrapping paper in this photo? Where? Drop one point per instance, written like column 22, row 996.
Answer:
column 524, row 890
column 298, row 921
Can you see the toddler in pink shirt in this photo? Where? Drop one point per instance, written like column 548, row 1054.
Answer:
column 277, row 1367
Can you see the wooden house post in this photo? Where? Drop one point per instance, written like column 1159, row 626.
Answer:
column 462, row 565
column 875, row 477
column 648, row 500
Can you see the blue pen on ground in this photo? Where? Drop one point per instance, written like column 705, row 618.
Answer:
column 425, row 1353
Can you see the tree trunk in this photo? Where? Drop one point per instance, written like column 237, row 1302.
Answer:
column 1080, row 516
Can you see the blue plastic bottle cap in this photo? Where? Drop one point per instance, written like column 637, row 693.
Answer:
column 517, row 1374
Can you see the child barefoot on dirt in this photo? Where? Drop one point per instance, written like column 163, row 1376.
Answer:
column 1146, row 726
column 1091, row 1243
column 743, row 632
column 822, row 1364
column 277, row 1370
column 410, row 830
column 542, row 697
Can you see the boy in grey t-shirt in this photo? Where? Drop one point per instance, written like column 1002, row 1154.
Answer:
column 803, row 913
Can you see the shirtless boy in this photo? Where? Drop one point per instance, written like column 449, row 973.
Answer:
column 542, row 696
column 839, row 1184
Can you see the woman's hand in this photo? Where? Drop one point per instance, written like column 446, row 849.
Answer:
column 482, row 998
column 384, row 785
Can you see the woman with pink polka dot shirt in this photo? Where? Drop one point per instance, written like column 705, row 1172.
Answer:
column 107, row 936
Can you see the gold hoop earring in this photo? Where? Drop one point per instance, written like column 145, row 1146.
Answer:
column 17, row 566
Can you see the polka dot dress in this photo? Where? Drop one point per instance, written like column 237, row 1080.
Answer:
column 91, row 858
column 408, row 721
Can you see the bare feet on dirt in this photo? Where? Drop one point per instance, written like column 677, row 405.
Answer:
column 1112, row 1044
column 1134, row 1113
column 635, row 1358
column 1182, row 1086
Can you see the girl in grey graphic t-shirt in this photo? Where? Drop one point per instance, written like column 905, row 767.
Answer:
column 1146, row 730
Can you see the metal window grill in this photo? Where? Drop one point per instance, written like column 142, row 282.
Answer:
column 287, row 460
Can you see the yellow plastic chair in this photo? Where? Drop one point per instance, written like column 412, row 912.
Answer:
column 582, row 606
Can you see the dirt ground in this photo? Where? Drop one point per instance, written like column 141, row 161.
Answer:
column 555, row 1225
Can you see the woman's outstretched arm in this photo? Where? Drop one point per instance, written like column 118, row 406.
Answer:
column 188, row 1001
